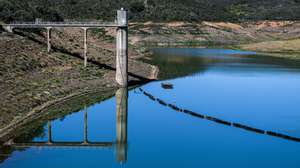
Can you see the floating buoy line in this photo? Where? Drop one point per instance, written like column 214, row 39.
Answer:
column 217, row 120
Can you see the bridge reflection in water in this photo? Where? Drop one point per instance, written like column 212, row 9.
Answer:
column 120, row 145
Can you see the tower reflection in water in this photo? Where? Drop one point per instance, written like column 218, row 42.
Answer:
column 122, row 112
column 120, row 144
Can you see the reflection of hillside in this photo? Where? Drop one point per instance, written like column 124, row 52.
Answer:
column 5, row 152
column 27, row 133
column 268, row 60
column 178, row 66
column 248, row 64
column 35, row 127
column 175, row 63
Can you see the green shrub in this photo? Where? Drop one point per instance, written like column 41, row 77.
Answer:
column 153, row 10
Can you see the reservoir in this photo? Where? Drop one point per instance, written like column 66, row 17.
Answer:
column 226, row 108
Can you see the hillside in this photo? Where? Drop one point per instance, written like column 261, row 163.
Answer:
column 154, row 10
column 32, row 78
column 212, row 33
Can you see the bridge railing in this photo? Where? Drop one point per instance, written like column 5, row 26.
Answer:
column 67, row 24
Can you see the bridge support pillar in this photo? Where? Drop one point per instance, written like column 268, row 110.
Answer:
column 85, row 45
column 8, row 29
column 49, row 39
column 122, row 49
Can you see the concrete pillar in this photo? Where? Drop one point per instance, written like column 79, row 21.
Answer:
column 122, row 112
column 49, row 39
column 122, row 48
column 85, row 141
column 49, row 132
column 85, row 45
column 8, row 29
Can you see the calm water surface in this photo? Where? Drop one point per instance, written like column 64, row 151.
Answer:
column 227, row 101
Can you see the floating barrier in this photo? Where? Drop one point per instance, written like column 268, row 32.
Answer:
column 149, row 95
column 193, row 114
column 220, row 121
column 162, row 102
column 174, row 107
column 248, row 128
column 275, row 134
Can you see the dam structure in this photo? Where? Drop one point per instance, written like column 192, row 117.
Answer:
column 121, row 25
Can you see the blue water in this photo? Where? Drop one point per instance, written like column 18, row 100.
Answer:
column 258, row 92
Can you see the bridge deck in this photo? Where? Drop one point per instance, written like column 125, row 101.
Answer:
column 64, row 24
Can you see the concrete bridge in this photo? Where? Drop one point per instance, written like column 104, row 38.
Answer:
column 121, row 24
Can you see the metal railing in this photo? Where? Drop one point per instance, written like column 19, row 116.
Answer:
column 64, row 24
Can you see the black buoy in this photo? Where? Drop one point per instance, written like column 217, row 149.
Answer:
column 167, row 85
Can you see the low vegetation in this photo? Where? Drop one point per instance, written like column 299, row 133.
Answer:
column 154, row 10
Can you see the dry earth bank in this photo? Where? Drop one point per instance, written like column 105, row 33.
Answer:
column 276, row 38
column 31, row 79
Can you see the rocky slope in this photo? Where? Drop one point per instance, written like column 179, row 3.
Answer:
column 213, row 33
column 30, row 77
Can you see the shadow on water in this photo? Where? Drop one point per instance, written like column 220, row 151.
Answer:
column 25, row 137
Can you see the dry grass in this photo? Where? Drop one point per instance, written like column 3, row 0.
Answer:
column 274, row 46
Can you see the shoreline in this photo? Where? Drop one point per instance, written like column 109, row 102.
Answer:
column 268, row 37
column 33, row 80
